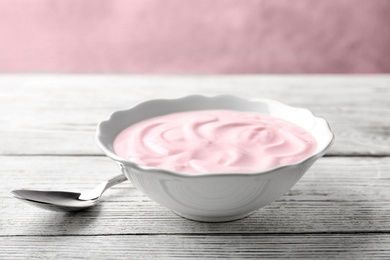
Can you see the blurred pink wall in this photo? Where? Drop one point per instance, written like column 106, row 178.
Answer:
column 202, row 36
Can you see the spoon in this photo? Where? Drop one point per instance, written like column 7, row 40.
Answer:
column 66, row 201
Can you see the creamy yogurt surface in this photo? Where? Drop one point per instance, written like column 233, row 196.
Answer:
column 214, row 141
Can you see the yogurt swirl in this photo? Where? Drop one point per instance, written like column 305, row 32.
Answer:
column 214, row 141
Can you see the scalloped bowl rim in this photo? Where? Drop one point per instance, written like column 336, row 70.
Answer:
column 158, row 170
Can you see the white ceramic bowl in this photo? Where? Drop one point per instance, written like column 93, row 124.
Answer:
column 213, row 197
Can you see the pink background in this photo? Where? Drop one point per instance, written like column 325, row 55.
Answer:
column 198, row 36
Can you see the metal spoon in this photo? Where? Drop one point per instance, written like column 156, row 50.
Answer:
column 66, row 201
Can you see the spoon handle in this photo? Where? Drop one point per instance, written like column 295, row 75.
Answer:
column 99, row 190
column 114, row 181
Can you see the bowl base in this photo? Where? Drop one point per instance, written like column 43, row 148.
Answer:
column 213, row 219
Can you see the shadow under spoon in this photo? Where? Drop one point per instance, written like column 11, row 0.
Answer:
column 66, row 201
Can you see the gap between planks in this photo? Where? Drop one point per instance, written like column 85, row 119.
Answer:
column 362, row 232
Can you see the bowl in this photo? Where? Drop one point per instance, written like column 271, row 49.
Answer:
column 213, row 197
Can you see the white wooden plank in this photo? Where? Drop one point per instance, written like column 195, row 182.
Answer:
column 57, row 114
column 337, row 195
column 310, row 246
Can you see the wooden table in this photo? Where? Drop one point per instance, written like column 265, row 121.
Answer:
column 339, row 209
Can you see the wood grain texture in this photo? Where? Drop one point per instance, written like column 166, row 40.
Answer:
column 338, row 210
column 337, row 194
column 54, row 114
column 312, row 246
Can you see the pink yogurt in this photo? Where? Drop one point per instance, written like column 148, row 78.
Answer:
column 214, row 141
